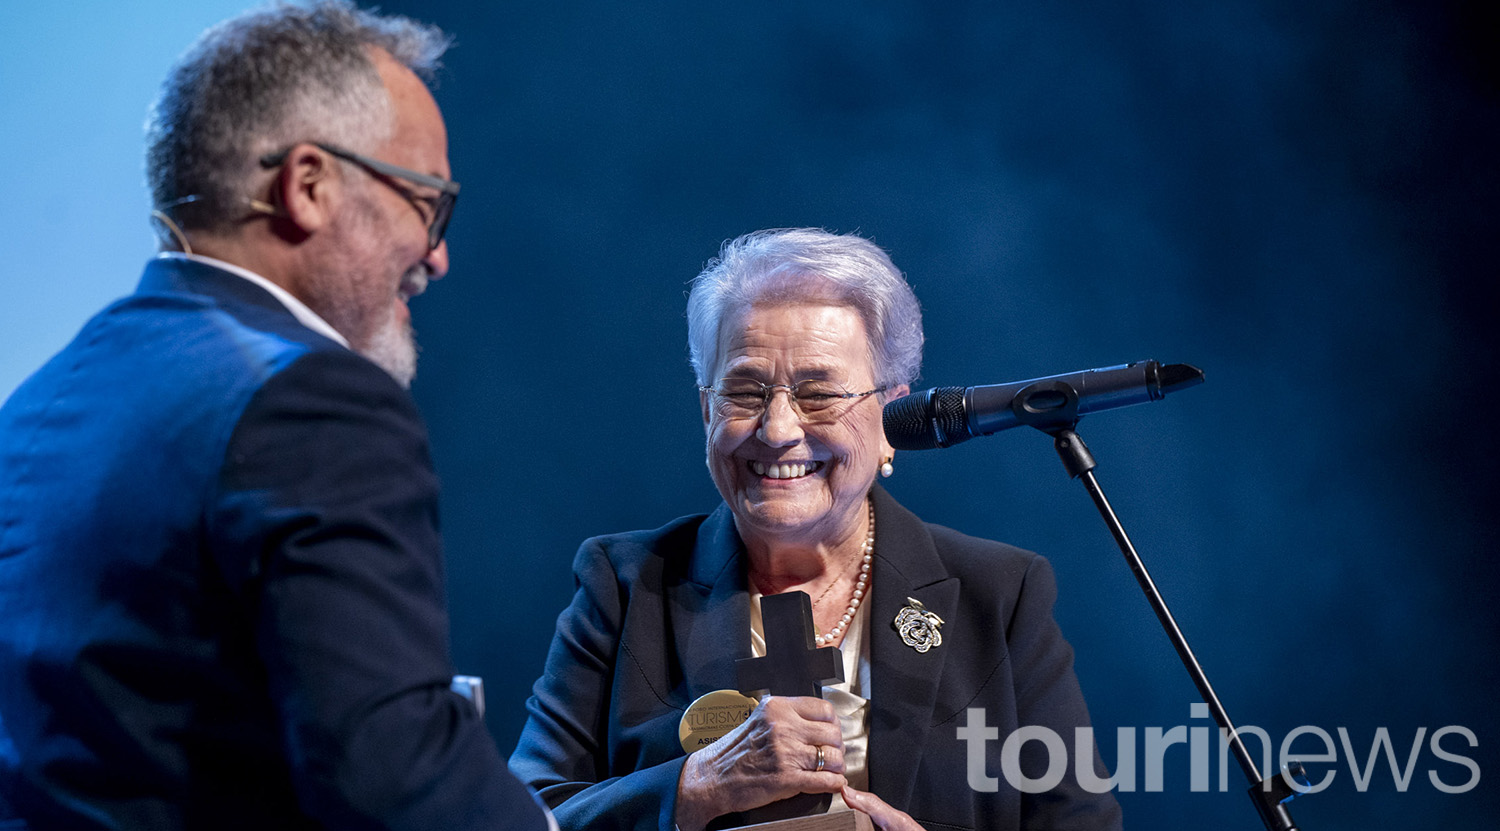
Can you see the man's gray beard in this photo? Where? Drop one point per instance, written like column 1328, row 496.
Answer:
column 393, row 348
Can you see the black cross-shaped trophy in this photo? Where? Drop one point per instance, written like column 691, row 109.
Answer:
column 792, row 665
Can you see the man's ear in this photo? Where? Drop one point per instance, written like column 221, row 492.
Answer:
column 307, row 189
column 703, row 402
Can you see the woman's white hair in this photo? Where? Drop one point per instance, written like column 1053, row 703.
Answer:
column 794, row 265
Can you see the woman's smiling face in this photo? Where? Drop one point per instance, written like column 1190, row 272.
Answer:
column 788, row 478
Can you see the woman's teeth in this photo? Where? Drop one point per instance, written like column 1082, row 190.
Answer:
column 785, row 471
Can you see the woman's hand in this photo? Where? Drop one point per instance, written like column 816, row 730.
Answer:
column 772, row 756
column 884, row 816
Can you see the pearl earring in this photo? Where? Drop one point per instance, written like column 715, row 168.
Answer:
column 886, row 469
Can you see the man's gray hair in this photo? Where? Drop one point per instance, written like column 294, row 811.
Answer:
column 263, row 81
column 797, row 265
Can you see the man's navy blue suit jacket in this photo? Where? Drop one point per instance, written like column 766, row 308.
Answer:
column 221, row 588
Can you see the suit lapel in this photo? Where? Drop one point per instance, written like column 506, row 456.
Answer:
column 716, row 600
column 904, row 681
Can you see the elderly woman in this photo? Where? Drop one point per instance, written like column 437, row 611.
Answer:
column 798, row 337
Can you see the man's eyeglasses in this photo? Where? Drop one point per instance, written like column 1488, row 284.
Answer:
column 441, row 205
column 813, row 399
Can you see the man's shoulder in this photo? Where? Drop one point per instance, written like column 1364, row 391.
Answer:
column 190, row 304
column 214, row 332
column 187, row 364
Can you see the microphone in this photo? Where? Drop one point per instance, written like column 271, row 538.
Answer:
column 945, row 416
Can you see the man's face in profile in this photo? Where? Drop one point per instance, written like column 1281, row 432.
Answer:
column 381, row 256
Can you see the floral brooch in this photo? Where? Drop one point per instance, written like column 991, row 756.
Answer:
column 919, row 628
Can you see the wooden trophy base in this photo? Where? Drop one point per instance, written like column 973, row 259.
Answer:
column 840, row 821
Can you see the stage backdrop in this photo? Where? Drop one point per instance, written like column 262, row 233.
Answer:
column 1299, row 199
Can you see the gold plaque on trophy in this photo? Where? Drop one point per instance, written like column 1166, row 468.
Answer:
column 711, row 716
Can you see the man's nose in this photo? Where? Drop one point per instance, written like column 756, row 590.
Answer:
column 437, row 261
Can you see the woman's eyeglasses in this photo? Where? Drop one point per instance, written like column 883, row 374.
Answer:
column 813, row 399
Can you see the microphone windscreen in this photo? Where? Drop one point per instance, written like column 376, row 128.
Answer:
column 926, row 420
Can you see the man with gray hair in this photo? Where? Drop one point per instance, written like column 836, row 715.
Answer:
column 220, row 569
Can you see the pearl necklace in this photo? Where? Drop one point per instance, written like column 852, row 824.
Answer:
column 832, row 636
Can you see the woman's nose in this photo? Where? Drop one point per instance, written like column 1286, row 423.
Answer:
column 780, row 424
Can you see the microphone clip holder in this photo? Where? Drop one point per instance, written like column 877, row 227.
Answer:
column 1046, row 405
column 1052, row 407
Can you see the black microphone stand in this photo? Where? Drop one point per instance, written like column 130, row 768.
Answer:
column 1270, row 794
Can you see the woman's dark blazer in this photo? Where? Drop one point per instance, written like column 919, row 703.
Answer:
column 660, row 617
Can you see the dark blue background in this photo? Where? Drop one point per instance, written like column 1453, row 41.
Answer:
column 1298, row 198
